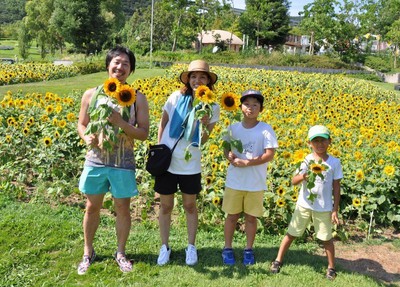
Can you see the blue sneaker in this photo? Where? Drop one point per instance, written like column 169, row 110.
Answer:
column 248, row 257
column 228, row 257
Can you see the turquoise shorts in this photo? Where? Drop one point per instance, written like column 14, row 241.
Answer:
column 99, row 180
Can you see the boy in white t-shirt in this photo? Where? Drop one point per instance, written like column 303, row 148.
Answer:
column 315, row 203
column 246, row 176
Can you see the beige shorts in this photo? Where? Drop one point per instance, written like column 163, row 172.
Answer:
column 249, row 202
column 301, row 218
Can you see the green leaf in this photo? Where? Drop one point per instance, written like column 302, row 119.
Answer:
column 381, row 199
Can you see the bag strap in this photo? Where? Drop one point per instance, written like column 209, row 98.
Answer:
column 181, row 136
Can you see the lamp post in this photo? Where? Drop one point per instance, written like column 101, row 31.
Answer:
column 151, row 33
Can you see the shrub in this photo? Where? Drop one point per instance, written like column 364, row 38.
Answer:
column 381, row 64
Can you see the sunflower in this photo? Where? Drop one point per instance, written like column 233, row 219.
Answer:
column 295, row 197
column 389, row 170
column 126, row 96
column 299, row 155
column 47, row 141
column 280, row 191
column 49, row 109
column 25, row 131
column 356, row 202
column 8, row 138
column 317, row 168
column 360, row 175
column 62, row 124
column 201, row 91
column 111, row 87
column 71, row 117
column 280, row 202
column 216, row 200
column 229, row 101
column 208, row 97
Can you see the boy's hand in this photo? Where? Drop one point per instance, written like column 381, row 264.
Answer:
column 115, row 118
column 231, row 157
column 239, row 162
column 335, row 218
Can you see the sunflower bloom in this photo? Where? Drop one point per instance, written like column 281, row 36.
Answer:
column 295, row 197
column 299, row 156
column 47, row 141
column 209, row 97
column 317, row 168
column 360, row 175
column 356, row 202
column 280, row 202
column 111, row 87
column 201, row 91
column 71, row 117
column 216, row 200
column 389, row 170
column 126, row 96
column 280, row 191
column 229, row 101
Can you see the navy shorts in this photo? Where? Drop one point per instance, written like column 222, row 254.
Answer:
column 168, row 183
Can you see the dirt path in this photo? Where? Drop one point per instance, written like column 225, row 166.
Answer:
column 378, row 261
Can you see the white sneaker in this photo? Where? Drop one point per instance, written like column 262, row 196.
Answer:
column 163, row 258
column 191, row 255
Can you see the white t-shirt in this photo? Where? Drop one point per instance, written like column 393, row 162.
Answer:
column 254, row 140
column 323, row 188
column 178, row 163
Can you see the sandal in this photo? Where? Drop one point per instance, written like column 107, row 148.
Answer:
column 86, row 262
column 331, row 274
column 276, row 266
column 124, row 264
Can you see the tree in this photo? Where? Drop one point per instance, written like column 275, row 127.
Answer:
column 394, row 35
column 12, row 11
column 266, row 21
column 81, row 23
column 36, row 23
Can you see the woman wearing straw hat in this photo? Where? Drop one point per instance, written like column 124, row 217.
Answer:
column 185, row 174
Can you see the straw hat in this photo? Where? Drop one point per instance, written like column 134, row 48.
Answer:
column 198, row 66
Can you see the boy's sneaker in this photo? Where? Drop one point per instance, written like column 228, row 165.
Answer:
column 248, row 257
column 331, row 274
column 163, row 258
column 86, row 262
column 191, row 255
column 228, row 257
column 276, row 267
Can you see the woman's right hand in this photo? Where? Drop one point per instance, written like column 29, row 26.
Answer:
column 91, row 140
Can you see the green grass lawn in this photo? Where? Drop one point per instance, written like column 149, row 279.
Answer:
column 42, row 245
column 78, row 83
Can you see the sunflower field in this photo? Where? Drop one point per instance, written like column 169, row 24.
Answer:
column 39, row 142
column 34, row 72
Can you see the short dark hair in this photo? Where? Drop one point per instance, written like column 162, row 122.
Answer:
column 118, row 50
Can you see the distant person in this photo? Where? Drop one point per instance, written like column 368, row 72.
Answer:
column 185, row 174
column 321, row 210
column 111, row 170
column 246, row 176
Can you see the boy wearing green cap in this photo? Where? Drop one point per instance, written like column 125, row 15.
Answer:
column 315, row 201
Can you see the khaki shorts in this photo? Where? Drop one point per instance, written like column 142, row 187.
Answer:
column 249, row 202
column 321, row 220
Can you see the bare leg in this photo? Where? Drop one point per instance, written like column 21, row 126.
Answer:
column 229, row 228
column 164, row 217
column 123, row 221
column 251, row 229
column 192, row 221
column 330, row 253
column 285, row 244
column 91, row 221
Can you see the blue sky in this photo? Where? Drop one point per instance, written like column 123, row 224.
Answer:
column 296, row 6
